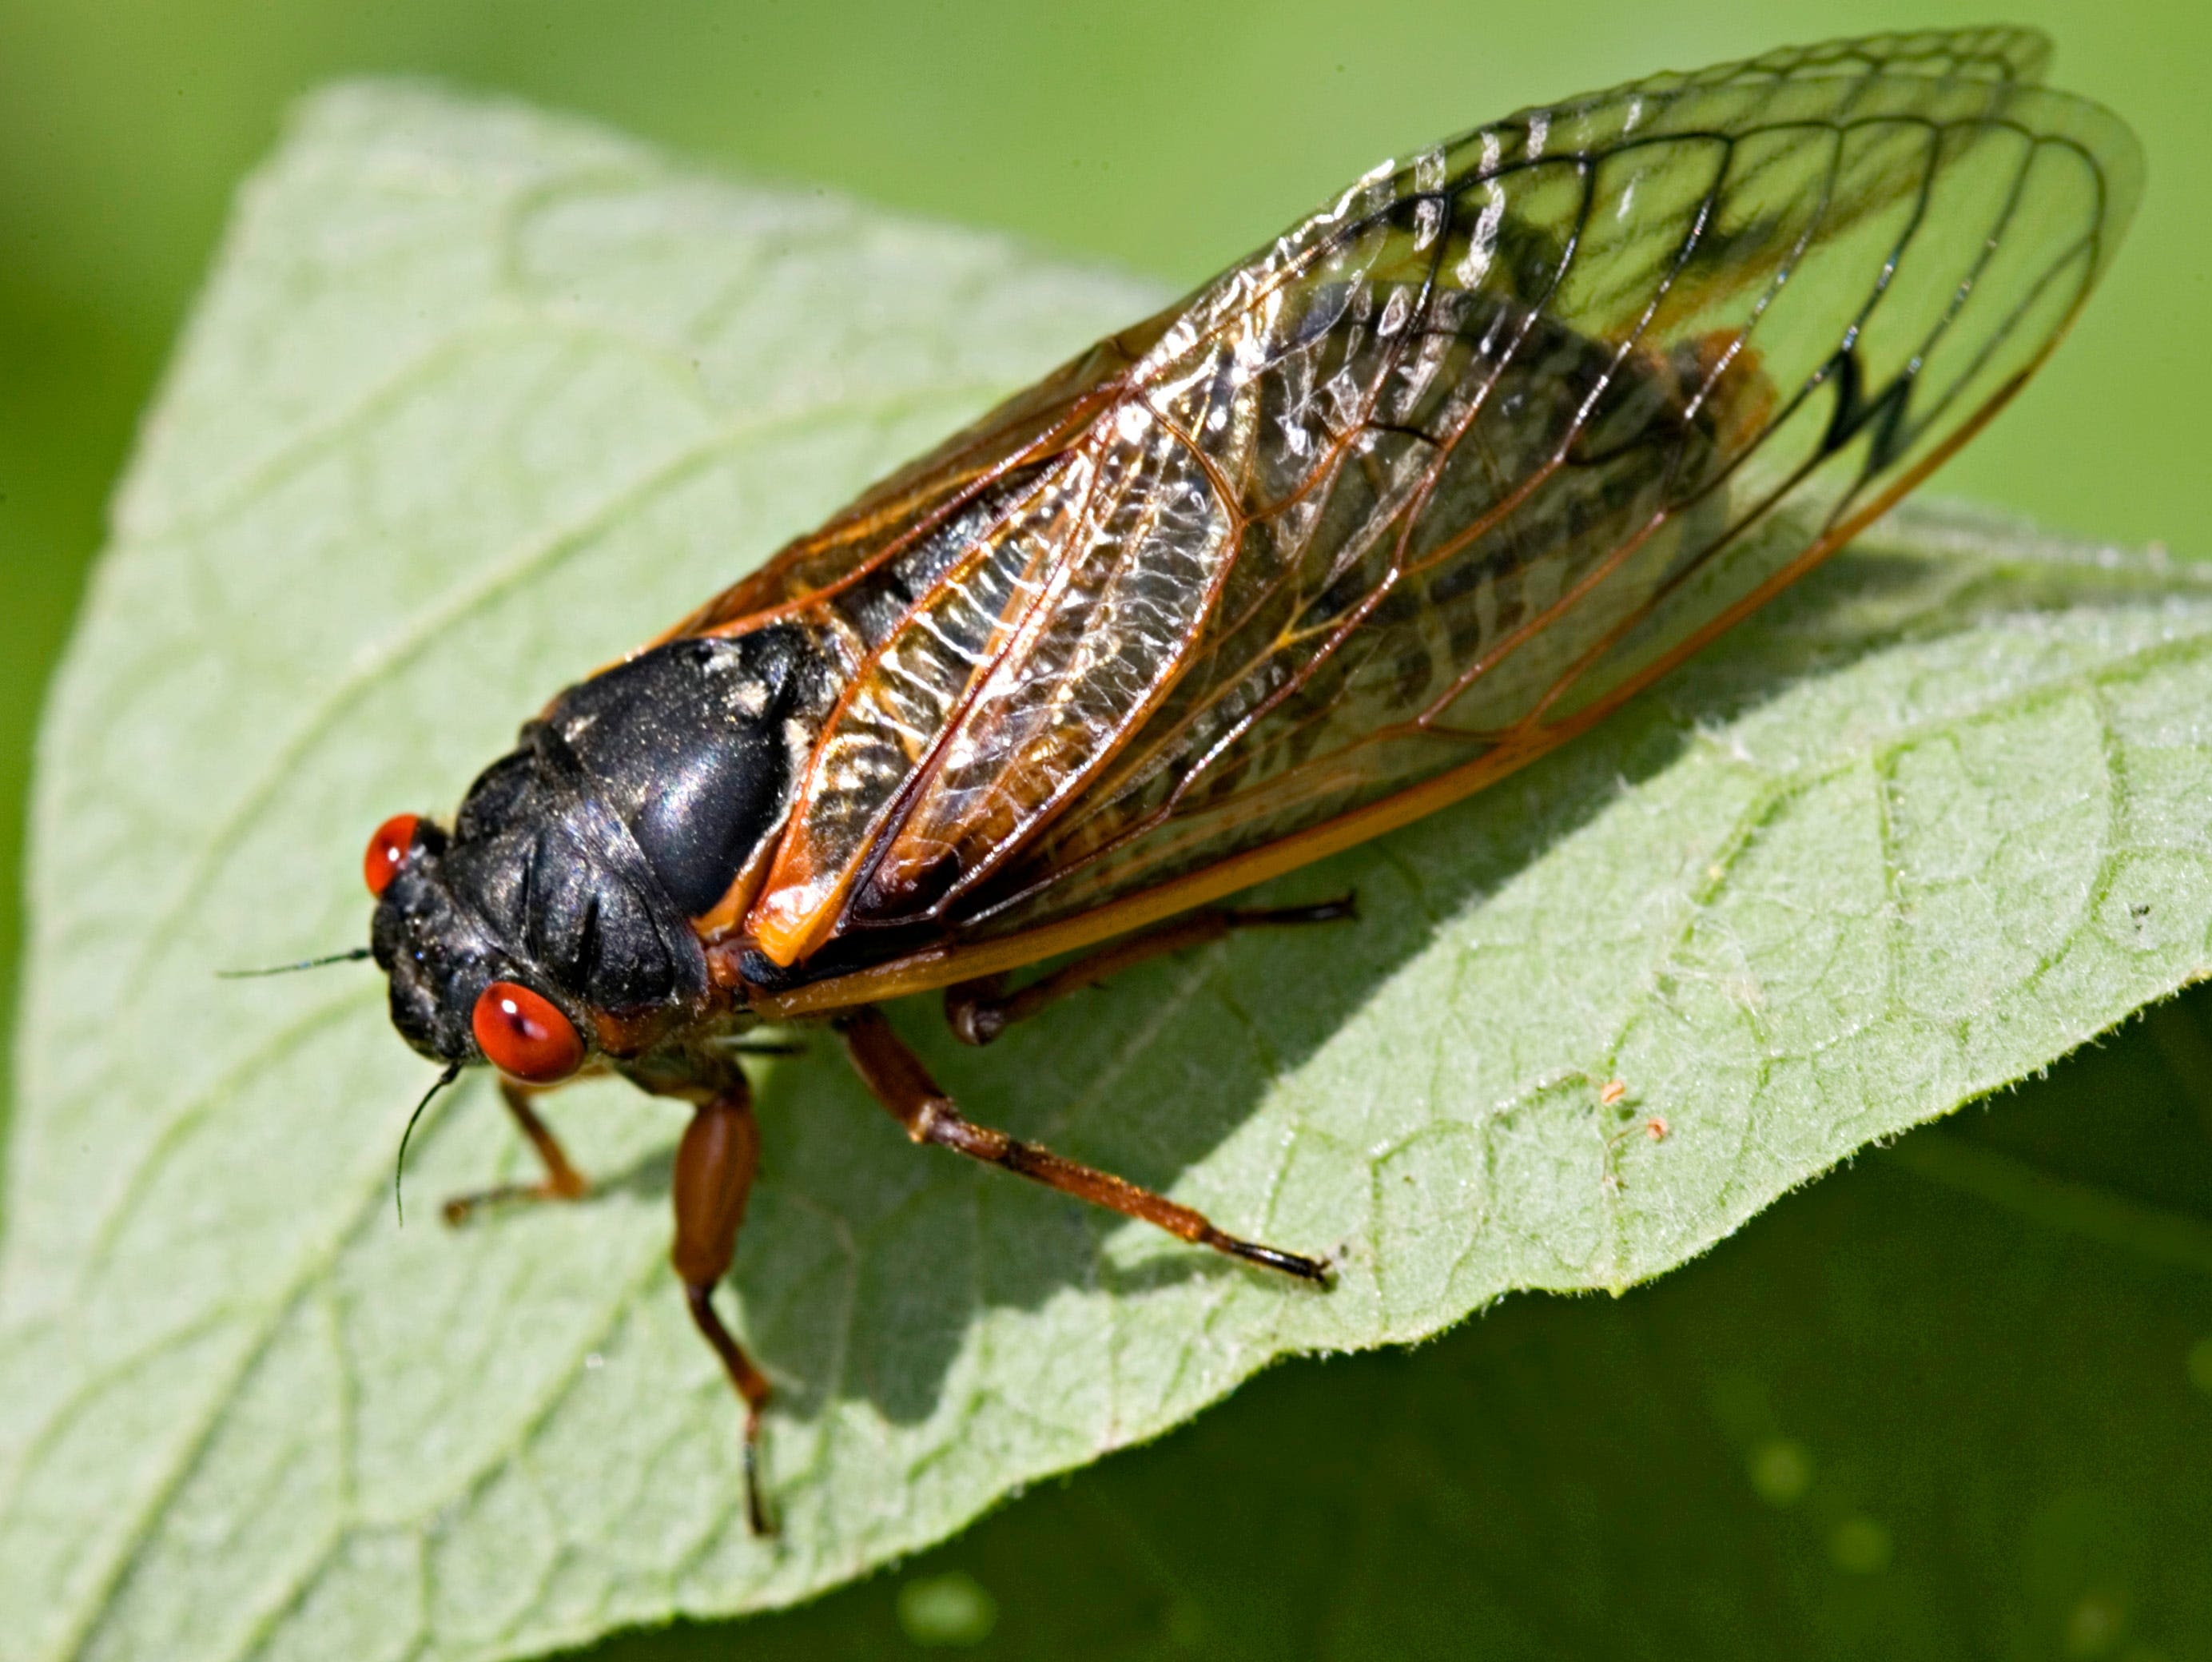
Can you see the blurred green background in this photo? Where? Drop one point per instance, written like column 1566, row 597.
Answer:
column 1171, row 137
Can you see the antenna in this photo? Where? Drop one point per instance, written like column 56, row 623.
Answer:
column 453, row 1072
column 353, row 957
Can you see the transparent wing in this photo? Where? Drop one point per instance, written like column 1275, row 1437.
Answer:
column 1999, row 53
column 1464, row 459
column 935, row 494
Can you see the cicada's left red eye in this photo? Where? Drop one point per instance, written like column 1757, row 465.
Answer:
column 386, row 849
column 524, row 1035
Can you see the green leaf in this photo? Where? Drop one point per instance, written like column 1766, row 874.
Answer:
column 1953, row 1403
column 475, row 400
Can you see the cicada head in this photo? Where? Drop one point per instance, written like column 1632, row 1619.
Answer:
column 555, row 921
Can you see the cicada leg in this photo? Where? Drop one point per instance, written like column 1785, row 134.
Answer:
column 979, row 1012
column 895, row 1074
column 561, row 1181
column 715, row 1166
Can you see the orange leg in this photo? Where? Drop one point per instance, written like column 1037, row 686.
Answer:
column 715, row 1166
column 903, row 1086
column 979, row 1012
column 561, row 1181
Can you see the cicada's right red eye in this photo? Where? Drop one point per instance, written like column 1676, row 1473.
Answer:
column 524, row 1035
column 386, row 849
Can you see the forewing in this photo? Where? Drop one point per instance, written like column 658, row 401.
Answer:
column 907, row 688
column 932, row 492
column 1494, row 440
column 909, row 589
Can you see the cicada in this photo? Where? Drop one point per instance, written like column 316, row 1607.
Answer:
column 1421, row 489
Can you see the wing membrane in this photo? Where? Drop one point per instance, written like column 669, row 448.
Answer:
column 1456, row 464
column 931, row 492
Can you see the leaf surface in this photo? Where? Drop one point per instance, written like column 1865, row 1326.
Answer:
column 478, row 398
column 1948, row 1403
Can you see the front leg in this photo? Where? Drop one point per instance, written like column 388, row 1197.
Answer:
column 895, row 1074
column 715, row 1166
column 561, row 1181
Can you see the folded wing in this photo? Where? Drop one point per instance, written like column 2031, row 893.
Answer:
column 1445, row 472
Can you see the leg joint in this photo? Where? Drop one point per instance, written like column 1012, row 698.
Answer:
column 929, row 1118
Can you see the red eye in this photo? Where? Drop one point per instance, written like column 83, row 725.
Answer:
column 524, row 1035
column 386, row 849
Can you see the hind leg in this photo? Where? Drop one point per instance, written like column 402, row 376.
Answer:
column 896, row 1077
column 979, row 1012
